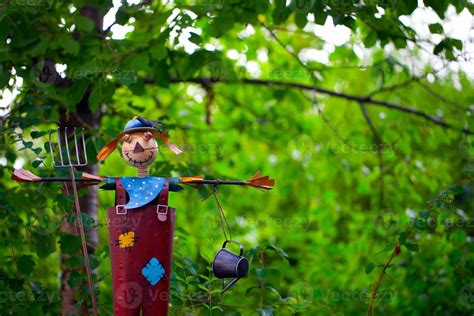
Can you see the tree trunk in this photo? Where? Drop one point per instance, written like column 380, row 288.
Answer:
column 89, row 202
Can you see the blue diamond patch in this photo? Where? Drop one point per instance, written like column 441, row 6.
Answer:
column 153, row 271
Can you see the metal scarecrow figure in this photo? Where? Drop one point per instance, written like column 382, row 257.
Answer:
column 141, row 222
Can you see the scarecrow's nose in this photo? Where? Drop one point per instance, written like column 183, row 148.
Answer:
column 138, row 148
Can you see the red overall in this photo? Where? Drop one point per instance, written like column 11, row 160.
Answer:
column 136, row 237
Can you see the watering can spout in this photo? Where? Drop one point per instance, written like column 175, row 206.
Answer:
column 228, row 285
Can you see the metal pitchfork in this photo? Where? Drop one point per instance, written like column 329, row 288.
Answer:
column 71, row 164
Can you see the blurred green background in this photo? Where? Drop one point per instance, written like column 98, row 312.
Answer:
column 360, row 110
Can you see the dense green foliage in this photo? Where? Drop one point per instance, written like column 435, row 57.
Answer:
column 354, row 180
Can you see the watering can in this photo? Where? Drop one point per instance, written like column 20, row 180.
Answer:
column 227, row 264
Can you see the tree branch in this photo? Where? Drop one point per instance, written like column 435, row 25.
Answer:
column 301, row 86
column 368, row 98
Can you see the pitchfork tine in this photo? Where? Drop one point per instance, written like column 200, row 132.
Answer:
column 67, row 147
column 51, row 148
column 84, row 150
column 77, row 150
column 60, row 148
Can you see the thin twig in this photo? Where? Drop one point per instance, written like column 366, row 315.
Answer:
column 440, row 97
column 326, row 120
column 379, row 143
column 373, row 296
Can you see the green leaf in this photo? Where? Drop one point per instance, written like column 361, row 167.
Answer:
column 267, row 274
column 278, row 250
column 137, row 62
column 301, row 20
column 402, row 238
column 36, row 163
column 70, row 244
column 425, row 214
column 436, row 28
column 75, row 279
column 222, row 23
column 26, row 264
column 4, row 29
column 101, row 93
column 439, row 6
column 95, row 98
column 77, row 91
column 370, row 39
column 320, row 17
column 439, row 47
column 122, row 17
column 43, row 245
column 419, row 223
column 454, row 42
column 65, row 202
column 281, row 12
column 27, row 144
column 93, row 261
column 68, row 44
column 36, row 134
column 456, row 189
column 4, row 77
column 458, row 237
column 412, row 246
column 195, row 38
column 406, row 7
column 250, row 289
column 388, row 247
column 138, row 87
column 161, row 74
column 370, row 267
column 159, row 52
column 84, row 24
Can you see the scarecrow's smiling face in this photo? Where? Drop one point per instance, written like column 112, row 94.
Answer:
column 139, row 149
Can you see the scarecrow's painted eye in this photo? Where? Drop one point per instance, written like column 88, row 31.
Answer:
column 147, row 135
column 126, row 138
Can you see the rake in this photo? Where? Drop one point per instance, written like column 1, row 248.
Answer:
column 64, row 153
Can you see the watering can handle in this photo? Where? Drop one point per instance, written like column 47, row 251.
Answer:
column 234, row 242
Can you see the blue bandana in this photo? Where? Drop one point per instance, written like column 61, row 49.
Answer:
column 141, row 190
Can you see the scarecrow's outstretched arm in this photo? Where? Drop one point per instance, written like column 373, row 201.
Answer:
column 257, row 181
column 22, row 175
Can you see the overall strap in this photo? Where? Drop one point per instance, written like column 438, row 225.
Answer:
column 162, row 208
column 120, row 197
